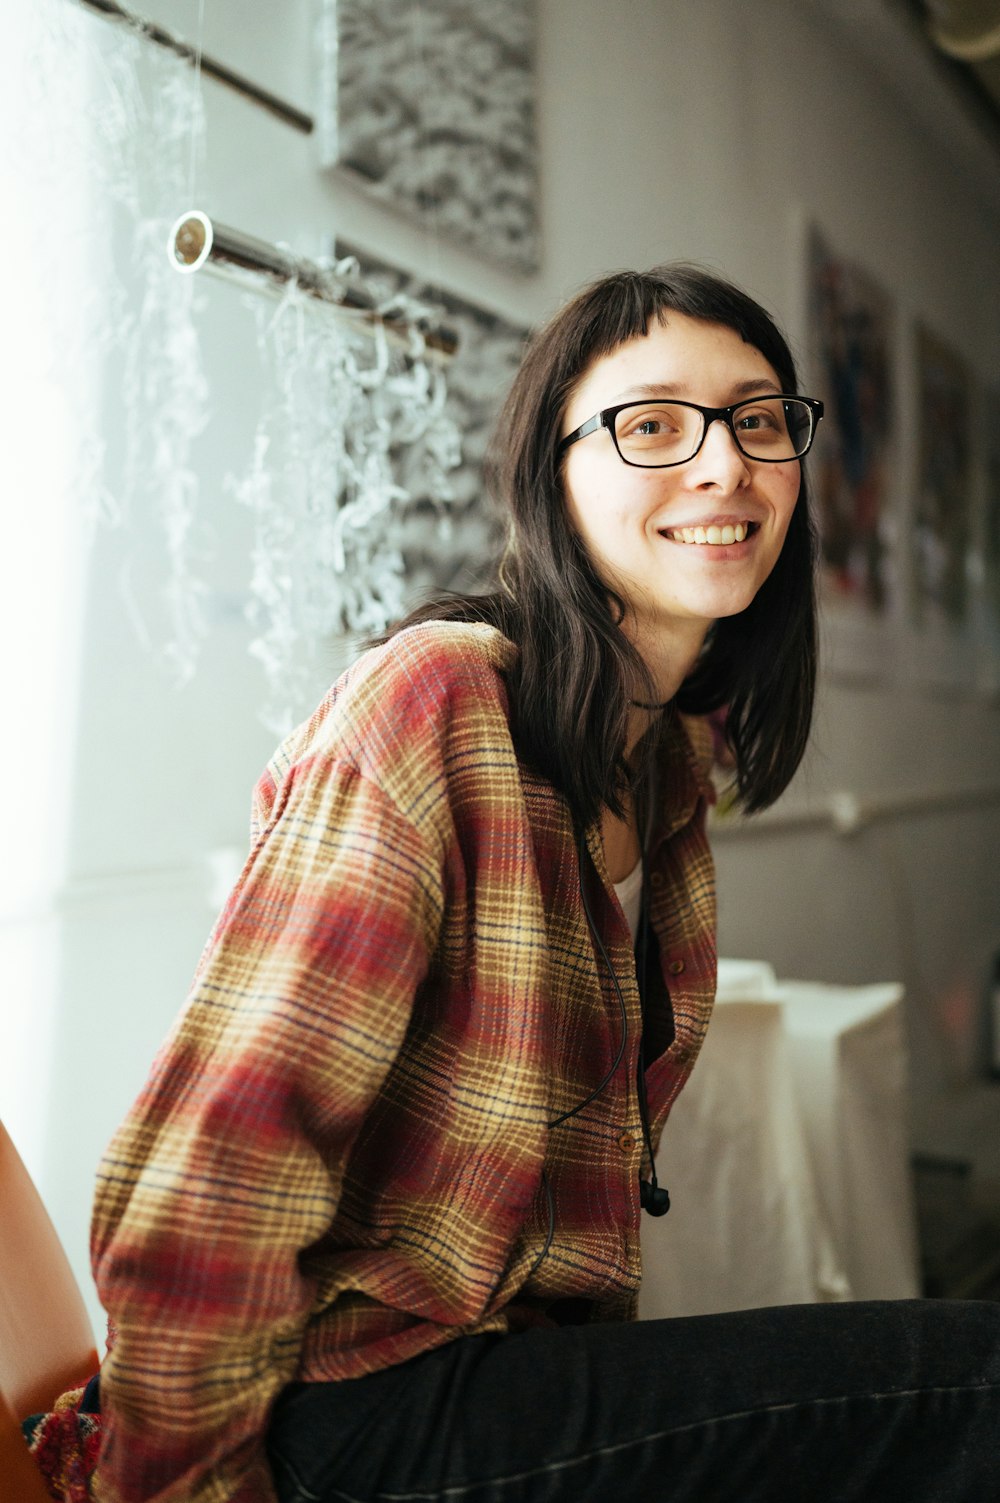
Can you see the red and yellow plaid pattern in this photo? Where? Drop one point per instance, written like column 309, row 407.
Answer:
column 336, row 1162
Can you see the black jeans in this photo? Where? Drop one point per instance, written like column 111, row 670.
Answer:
column 881, row 1401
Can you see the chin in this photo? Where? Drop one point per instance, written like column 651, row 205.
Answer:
column 734, row 608
column 730, row 604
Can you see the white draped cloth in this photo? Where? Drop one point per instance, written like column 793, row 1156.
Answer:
column 786, row 1155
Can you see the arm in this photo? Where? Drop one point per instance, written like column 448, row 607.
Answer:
column 230, row 1163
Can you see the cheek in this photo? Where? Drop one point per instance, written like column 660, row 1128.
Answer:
column 785, row 495
column 576, row 520
column 594, row 500
column 608, row 505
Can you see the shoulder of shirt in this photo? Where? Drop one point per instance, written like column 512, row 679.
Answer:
column 452, row 652
column 430, row 670
column 404, row 704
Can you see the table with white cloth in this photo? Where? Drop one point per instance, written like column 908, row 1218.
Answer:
column 786, row 1154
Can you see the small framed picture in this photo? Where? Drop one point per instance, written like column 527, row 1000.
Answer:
column 851, row 345
column 940, row 564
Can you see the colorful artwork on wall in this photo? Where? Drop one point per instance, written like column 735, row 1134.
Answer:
column 850, row 346
column 940, row 528
column 430, row 107
column 452, row 541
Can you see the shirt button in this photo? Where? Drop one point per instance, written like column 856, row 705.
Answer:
column 657, row 879
column 626, row 1142
column 675, row 967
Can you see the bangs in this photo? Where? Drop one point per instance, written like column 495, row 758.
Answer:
column 624, row 306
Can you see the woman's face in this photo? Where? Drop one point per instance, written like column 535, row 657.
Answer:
column 631, row 520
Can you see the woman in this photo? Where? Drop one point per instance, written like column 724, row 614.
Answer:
column 372, row 1229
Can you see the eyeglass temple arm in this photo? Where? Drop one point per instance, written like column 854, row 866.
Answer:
column 590, row 426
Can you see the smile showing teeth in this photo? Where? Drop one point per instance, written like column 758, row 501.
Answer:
column 711, row 535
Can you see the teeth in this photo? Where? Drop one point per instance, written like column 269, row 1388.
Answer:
column 711, row 535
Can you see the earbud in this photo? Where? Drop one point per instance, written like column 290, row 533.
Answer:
column 654, row 1198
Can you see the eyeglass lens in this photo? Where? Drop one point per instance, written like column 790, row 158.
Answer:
column 669, row 433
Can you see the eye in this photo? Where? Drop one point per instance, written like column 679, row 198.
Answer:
column 759, row 419
column 644, row 426
column 659, row 422
column 763, row 418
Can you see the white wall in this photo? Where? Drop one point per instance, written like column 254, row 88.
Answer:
column 703, row 129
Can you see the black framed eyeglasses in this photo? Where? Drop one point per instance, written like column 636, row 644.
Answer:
column 653, row 434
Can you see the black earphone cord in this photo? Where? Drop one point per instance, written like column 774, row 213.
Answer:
column 653, row 1198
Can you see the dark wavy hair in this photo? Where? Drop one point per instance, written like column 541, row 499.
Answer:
column 576, row 674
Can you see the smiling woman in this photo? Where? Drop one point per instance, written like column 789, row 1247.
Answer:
column 656, row 530
column 372, row 1229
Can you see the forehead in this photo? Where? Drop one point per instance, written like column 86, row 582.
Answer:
column 683, row 357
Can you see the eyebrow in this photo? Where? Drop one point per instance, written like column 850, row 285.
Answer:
column 753, row 386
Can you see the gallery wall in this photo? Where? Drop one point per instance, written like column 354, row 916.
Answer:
column 663, row 131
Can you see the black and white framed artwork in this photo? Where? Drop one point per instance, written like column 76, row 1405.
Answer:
column 430, row 105
column 453, row 541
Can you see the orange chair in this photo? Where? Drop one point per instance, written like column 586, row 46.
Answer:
column 46, row 1339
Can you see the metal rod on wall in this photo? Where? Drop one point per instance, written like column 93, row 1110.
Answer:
column 209, row 65
column 197, row 241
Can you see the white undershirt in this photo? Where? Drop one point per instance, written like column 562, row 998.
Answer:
column 629, row 894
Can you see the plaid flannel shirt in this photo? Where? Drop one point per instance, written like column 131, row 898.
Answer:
column 336, row 1161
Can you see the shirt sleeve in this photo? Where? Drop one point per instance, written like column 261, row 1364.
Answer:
column 230, row 1163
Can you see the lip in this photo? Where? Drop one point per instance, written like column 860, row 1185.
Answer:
column 716, row 519
column 715, row 553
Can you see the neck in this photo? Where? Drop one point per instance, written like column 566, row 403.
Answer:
column 669, row 660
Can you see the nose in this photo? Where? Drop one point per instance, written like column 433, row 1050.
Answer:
column 720, row 461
